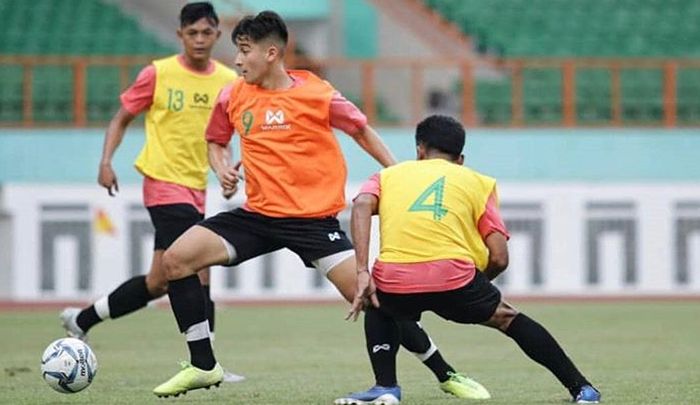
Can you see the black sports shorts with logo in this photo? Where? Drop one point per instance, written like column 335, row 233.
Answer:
column 474, row 303
column 253, row 234
column 171, row 221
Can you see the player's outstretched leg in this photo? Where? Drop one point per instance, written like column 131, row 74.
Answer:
column 539, row 345
column 129, row 297
column 414, row 339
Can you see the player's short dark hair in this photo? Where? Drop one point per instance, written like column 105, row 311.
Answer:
column 192, row 12
column 267, row 24
column 441, row 133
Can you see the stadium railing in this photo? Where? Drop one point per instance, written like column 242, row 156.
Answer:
column 558, row 106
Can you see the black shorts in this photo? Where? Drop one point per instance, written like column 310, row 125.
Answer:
column 474, row 303
column 253, row 234
column 171, row 221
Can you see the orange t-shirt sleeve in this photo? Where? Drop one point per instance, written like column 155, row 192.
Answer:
column 491, row 220
column 139, row 96
column 220, row 129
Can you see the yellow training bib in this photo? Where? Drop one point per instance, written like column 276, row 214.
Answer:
column 430, row 209
column 176, row 149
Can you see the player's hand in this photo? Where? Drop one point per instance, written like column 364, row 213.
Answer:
column 229, row 178
column 366, row 295
column 108, row 179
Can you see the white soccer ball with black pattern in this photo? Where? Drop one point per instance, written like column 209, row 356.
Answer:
column 68, row 365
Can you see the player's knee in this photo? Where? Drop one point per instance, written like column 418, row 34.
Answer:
column 174, row 265
column 157, row 286
column 503, row 316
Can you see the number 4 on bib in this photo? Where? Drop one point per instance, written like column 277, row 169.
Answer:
column 423, row 203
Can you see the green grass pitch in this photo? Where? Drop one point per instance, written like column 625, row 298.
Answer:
column 635, row 352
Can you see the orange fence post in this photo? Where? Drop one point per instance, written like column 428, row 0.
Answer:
column 123, row 76
column 615, row 95
column 468, row 96
column 670, row 102
column 27, row 99
column 368, row 104
column 517, row 95
column 79, row 104
column 416, row 93
column 569, row 93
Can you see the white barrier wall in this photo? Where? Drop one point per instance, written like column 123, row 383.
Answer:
column 75, row 242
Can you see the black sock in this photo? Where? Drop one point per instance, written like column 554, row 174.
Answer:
column 187, row 302
column 87, row 318
column 382, row 336
column 209, row 306
column 130, row 296
column 416, row 341
column 541, row 347
column 201, row 355
column 439, row 366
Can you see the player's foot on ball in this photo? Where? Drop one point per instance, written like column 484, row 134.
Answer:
column 188, row 379
column 69, row 318
column 376, row 395
column 462, row 386
column 230, row 377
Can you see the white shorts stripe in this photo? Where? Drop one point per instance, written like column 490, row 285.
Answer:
column 328, row 263
column 230, row 250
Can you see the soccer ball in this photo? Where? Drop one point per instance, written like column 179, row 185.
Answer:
column 68, row 365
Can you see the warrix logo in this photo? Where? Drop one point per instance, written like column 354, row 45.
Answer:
column 201, row 98
column 334, row 236
column 274, row 117
column 274, row 121
column 377, row 348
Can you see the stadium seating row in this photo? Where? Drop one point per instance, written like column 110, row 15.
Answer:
column 590, row 28
column 72, row 27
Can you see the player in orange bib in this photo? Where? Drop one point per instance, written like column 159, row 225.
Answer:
column 177, row 94
column 439, row 226
column 295, row 178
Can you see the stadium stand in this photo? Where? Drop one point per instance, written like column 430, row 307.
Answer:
column 67, row 28
column 582, row 29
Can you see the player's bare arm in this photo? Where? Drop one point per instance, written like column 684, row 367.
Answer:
column 115, row 133
column 370, row 141
column 497, row 244
column 363, row 208
column 227, row 173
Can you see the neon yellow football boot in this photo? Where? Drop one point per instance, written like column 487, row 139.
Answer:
column 462, row 386
column 188, row 379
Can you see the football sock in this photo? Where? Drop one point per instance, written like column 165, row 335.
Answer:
column 130, row 296
column 209, row 306
column 416, row 340
column 382, row 337
column 187, row 302
column 541, row 347
column 87, row 318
